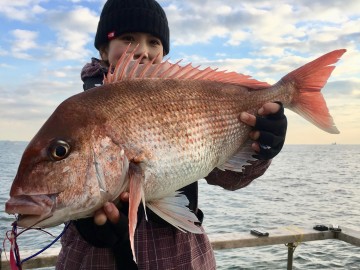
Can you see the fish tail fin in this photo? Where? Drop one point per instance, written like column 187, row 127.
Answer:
column 308, row 81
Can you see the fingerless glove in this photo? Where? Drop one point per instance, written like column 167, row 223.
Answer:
column 272, row 130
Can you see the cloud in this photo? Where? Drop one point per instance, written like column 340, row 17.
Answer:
column 300, row 26
column 21, row 10
column 36, row 97
column 3, row 65
column 74, row 31
column 79, row 19
column 25, row 106
column 86, row 1
column 3, row 52
column 344, row 88
column 24, row 41
column 186, row 25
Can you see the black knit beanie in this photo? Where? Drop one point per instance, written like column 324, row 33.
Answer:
column 124, row 16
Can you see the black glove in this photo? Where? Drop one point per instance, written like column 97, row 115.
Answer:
column 272, row 130
column 103, row 236
column 110, row 235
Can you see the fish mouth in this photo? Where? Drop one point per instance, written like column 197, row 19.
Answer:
column 31, row 209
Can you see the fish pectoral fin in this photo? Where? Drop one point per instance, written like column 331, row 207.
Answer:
column 136, row 195
column 241, row 158
column 173, row 209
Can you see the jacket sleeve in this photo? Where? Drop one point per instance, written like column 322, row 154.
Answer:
column 92, row 74
column 235, row 180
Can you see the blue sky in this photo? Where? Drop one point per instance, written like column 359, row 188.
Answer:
column 44, row 44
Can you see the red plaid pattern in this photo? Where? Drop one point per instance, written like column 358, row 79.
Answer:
column 156, row 247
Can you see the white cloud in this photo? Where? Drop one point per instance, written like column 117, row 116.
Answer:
column 4, row 65
column 188, row 27
column 3, row 52
column 304, row 25
column 85, row 1
column 271, row 51
column 33, row 99
column 237, row 37
column 74, row 31
column 79, row 19
column 21, row 10
column 24, row 41
column 356, row 92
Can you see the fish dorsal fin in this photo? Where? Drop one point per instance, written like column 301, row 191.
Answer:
column 127, row 68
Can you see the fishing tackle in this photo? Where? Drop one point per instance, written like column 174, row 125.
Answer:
column 12, row 235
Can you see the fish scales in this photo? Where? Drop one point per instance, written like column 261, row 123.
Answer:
column 188, row 127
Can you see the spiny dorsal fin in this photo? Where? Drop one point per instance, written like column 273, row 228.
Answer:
column 127, row 68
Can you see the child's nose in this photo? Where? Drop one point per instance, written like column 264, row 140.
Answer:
column 141, row 50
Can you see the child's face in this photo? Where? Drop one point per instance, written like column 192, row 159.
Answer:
column 148, row 44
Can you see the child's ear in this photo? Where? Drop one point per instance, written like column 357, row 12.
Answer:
column 104, row 56
column 104, row 52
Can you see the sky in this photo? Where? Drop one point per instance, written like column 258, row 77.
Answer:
column 44, row 45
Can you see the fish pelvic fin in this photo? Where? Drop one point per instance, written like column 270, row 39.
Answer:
column 308, row 81
column 127, row 68
column 136, row 195
column 173, row 209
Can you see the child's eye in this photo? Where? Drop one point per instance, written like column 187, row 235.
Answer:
column 155, row 42
column 127, row 38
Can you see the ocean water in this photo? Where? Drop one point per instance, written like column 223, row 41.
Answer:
column 305, row 185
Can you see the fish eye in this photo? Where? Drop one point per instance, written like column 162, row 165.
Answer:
column 59, row 150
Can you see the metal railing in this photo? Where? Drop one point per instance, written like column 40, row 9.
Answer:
column 290, row 236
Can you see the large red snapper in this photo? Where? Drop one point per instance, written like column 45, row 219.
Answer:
column 151, row 130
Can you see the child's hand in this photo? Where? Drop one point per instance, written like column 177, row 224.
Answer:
column 110, row 211
column 269, row 129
